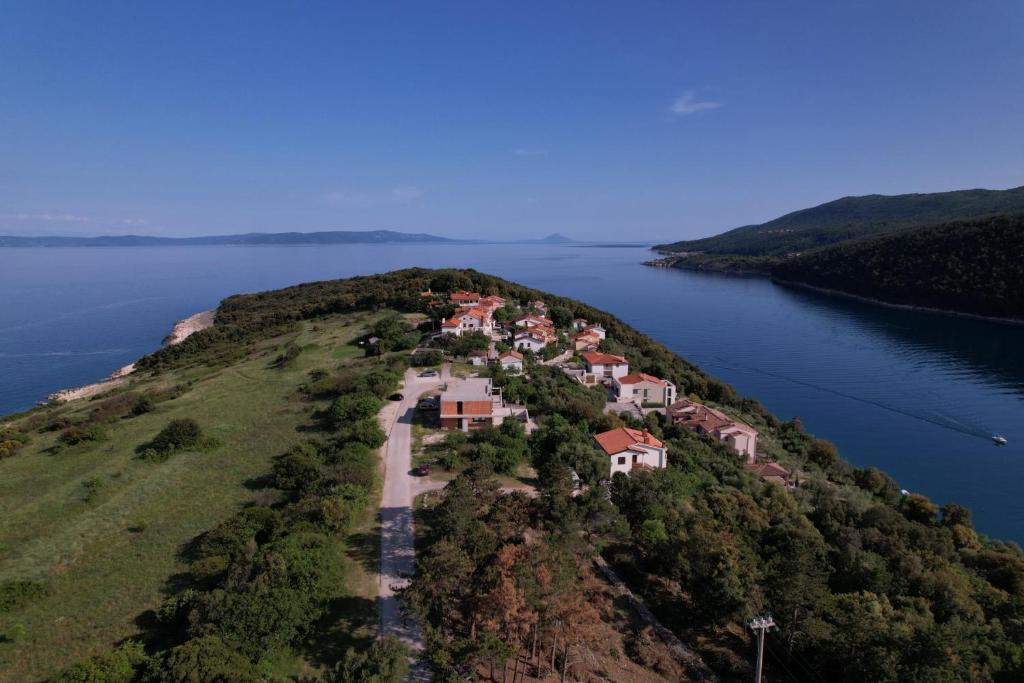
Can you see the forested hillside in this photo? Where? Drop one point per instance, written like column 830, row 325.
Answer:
column 972, row 267
column 852, row 218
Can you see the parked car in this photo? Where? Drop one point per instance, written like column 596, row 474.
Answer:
column 396, row 397
column 429, row 373
column 427, row 404
column 423, row 470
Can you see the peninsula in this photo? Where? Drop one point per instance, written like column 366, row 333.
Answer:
column 571, row 499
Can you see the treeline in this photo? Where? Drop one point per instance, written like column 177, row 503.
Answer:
column 972, row 267
column 854, row 218
column 259, row 583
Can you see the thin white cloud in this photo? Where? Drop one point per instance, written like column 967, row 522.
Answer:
column 687, row 103
column 530, row 152
column 396, row 195
column 134, row 221
column 51, row 217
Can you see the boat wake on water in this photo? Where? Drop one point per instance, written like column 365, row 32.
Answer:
column 943, row 420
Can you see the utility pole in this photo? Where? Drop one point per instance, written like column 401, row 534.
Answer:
column 760, row 626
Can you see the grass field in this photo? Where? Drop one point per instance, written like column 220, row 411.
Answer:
column 103, row 528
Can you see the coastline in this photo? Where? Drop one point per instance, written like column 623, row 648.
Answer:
column 678, row 261
column 181, row 331
column 904, row 307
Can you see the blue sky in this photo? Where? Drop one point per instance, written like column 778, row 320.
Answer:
column 616, row 120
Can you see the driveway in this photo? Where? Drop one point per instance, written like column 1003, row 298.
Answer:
column 397, row 547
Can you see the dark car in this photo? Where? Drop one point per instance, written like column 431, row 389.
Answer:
column 396, row 397
column 423, row 470
column 429, row 373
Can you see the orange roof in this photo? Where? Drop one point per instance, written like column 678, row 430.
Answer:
column 598, row 358
column 469, row 296
column 512, row 354
column 451, row 322
column 475, row 313
column 623, row 438
column 637, row 377
column 767, row 469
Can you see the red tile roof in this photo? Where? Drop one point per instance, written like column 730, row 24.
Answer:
column 598, row 358
column 637, row 377
column 623, row 438
column 767, row 469
column 512, row 354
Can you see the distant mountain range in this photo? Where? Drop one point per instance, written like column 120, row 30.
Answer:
column 852, row 218
column 261, row 238
column 331, row 237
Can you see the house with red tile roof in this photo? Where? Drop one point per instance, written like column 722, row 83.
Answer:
column 704, row 420
column 596, row 330
column 643, row 389
column 533, row 321
column 605, row 365
column 771, row 472
column 630, row 449
column 585, row 341
column 463, row 298
column 468, row 319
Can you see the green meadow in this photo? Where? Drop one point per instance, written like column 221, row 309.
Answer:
column 103, row 529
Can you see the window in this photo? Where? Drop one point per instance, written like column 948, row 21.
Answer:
column 458, row 408
column 622, row 460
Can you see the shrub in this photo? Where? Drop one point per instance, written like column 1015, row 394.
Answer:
column 352, row 407
column 366, row 432
column 205, row 659
column 177, row 435
column 288, row 356
column 77, row 434
column 15, row 594
column 142, row 405
column 119, row 666
column 429, row 357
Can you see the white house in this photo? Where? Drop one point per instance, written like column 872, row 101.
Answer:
column 579, row 324
column 511, row 360
column 468, row 320
column 528, row 340
column 605, row 364
column 597, row 330
column 631, row 449
column 533, row 321
column 644, row 388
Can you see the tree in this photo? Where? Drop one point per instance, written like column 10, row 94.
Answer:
column 205, row 660
column 823, row 453
column 386, row 661
column 918, row 508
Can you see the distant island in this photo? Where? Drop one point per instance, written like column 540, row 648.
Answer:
column 265, row 238
column 957, row 252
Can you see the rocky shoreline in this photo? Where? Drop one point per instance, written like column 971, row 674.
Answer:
column 181, row 331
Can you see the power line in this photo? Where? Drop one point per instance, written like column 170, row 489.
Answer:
column 760, row 626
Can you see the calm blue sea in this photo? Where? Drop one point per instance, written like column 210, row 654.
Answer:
column 915, row 394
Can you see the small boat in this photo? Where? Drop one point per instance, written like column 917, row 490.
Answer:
column 999, row 440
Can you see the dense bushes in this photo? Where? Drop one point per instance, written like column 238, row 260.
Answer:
column 15, row 594
column 11, row 441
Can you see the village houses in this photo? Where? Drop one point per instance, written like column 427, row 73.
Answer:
column 704, row 420
column 631, row 449
column 645, row 389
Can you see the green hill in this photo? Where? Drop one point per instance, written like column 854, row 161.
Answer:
column 974, row 267
column 852, row 218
